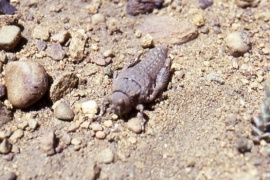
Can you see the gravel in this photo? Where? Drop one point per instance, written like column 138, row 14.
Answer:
column 26, row 83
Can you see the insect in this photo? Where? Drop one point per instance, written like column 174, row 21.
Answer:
column 138, row 83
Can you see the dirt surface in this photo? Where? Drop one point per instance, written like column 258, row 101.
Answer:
column 193, row 129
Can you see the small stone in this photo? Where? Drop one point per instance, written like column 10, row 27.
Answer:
column 9, row 176
column 3, row 57
column 74, row 126
column 61, row 37
column 114, row 117
column 247, row 3
column 41, row 45
column 5, row 147
column 205, row 3
column 47, row 143
column 26, row 83
column 243, row 145
column 108, row 123
column 133, row 140
column 76, row 141
column 85, row 124
column 198, row 20
column 63, row 85
column 213, row 76
column 134, row 125
column 9, row 37
column 96, row 127
column 77, row 44
column 41, row 33
column 92, row 170
column 63, row 111
column 55, row 51
column 89, row 107
column 66, row 139
column 108, row 53
column 237, row 43
column 147, row 41
column 33, row 124
column 100, row 135
column 138, row 33
column 6, row 115
column 101, row 61
column 98, row 18
column 105, row 156
column 18, row 134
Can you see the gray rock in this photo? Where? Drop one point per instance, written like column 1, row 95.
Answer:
column 55, row 51
column 105, row 156
column 63, row 85
column 26, row 82
column 5, row 147
column 9, row 37
column 237, row 43
column 63, row 111
column 61, row 37
column 47, row 143
column 5, row 115
column 41, row 45
column 243, row 145
column 213, row 76
column 9, row 176
column 41, row 32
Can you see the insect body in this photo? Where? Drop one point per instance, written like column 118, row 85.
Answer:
column 140, row 82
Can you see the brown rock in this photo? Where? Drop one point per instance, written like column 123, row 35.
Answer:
column 76, row 47
column 47, row 143
column 63, row 85
column 166, row 29
column 26, row 83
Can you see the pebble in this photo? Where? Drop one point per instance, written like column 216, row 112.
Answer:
column 41, row 45
column 18, row 134
column 47, row 143
column 77, row 44
column 41, row 32
column 108, row 123
column 6, row 115
column 243, row 145
column 5, row 147
column 33, row 124
column 61, row 37
column 108, row 53
column 169, row 30
column 74, row 126
column 105, row 156
column 98, row 18
column 101, row 61
column 89, row 107
column 237, row 43
column 198, row 20
column 147, row 41
column 213, row 76
column 9, row 176
column 85, row 124
column 134, row 125
column 100, row 135
column 63, row 85
column 55, row 51
column 205, row 3
column 96, row 127
column 26, row 83
column 63, row 111
column 138, row 33
column 76, row 141
column 246, row 3
column 9, row 37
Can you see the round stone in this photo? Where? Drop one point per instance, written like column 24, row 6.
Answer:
column 237, row 43
column 98, row 18
column 100, row 134
column 147, row 41
column 26, row 83
column 134, row 125
column 63, row 111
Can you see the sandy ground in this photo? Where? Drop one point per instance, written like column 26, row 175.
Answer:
column 193, row 128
